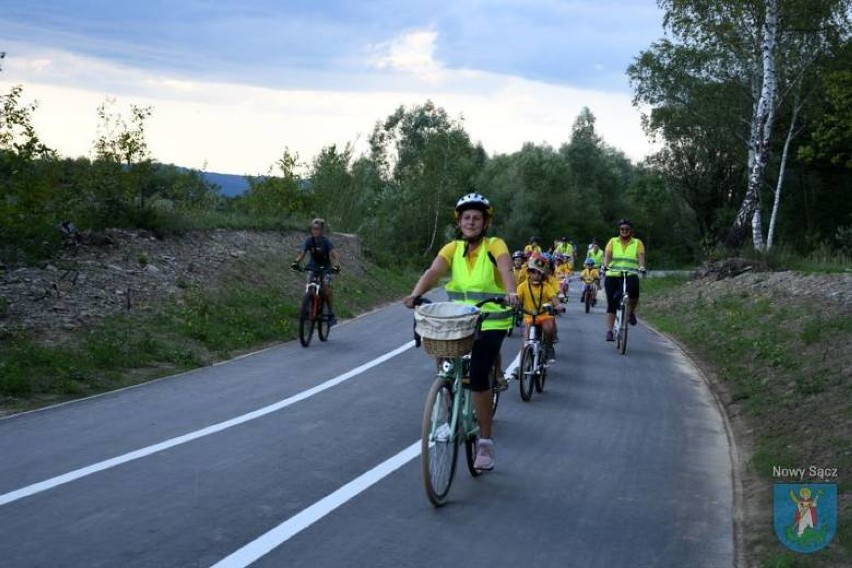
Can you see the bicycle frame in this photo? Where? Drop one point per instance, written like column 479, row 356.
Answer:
column 620, row 327
column 535, row 375
column 314, row 289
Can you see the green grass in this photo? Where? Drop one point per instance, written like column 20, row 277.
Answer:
column 782, row 362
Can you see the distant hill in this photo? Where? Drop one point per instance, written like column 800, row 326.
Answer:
column 231, row 185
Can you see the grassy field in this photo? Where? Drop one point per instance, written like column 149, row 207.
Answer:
column 779, row 363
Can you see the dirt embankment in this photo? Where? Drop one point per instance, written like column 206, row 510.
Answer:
column 123, row 271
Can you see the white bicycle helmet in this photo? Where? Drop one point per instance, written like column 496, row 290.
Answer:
column 474, row 201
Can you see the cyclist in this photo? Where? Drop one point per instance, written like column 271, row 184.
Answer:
column 535, row 293
column 532, row 247
column 590, row 277
column 622, row 252
column 518, row 268
column 565, row 247
column 480, row 267
column 323, row 259
column 595, row 253
column 562, row 271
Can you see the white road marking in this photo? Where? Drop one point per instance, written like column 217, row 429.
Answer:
column 47, row 484
column 305, row 518
column 270, row 540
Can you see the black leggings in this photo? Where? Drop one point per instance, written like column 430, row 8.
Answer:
column 612, row 284
column 482, row 357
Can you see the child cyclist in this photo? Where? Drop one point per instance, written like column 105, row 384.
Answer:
column 533, row 295
column 591, row 281
column 518, row 266
column 562, row 271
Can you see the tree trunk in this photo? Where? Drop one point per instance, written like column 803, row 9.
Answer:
column 762, row 128
column 776, row 205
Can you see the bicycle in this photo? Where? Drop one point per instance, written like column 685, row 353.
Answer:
column 590, row 292
column 532, row 370
column 449, row 416
column 314, row 311
column 621, row 327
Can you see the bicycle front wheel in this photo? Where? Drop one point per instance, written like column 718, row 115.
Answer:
column 526, row 372
column 621, row 340
column 540, row 377
column 323, row 327
column 439, row 445
column 306, row 321
column 589, row 297
column 496, row 371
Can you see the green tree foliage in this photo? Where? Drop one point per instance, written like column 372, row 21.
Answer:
column 28, row 205
column 280, row 194
column 425, row 161
column 703, row 89
column 332, row 184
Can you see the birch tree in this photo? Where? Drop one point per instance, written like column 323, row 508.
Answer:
column 753, row 50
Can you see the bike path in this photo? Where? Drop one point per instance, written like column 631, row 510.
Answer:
column 622, row 461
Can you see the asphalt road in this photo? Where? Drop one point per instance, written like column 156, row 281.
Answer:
column 310, row 457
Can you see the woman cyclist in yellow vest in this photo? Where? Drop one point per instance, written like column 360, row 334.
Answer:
column 624, row 252
column 480, row 268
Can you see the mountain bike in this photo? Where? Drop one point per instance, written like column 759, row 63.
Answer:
column 621, row 299
column 314, row 311
column 449, row 417
column 532, row 371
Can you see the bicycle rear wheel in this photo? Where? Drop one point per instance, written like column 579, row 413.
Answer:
column 526, row 373
column 470, row 443
column 306, row 321
column 323, row 327
column 439, row 445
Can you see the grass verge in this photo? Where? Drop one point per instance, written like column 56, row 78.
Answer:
column 780, row 363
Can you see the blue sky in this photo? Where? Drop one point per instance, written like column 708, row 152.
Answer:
column 233, row 83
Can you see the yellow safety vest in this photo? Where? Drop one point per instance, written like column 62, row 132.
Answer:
column 471, row 286
column 623, row 258
column 596, row 257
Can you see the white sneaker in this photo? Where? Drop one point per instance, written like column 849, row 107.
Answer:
column 484, row 455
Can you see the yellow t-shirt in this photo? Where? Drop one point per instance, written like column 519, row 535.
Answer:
column 563, row 271
column 530, row 249
column 533, row 296
column 520, row 274
column 496, row 246
column 589, row 276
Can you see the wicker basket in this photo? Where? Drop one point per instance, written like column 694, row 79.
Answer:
column 447, row 328
column 448, row 348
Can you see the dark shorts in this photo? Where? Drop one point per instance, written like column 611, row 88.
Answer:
column 482, row 357
column 612, row 285
column 324, row 272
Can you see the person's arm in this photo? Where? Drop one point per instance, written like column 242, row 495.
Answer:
column 507, row 275
column 607, row 254
column 335, row 259
column 299, row 258
column 428, row 279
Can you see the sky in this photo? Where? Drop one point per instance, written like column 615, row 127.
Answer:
column 233, row 84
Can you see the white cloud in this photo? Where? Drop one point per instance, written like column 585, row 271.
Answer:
column 244, row 129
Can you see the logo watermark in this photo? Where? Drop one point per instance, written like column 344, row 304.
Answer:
column 805, row 515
